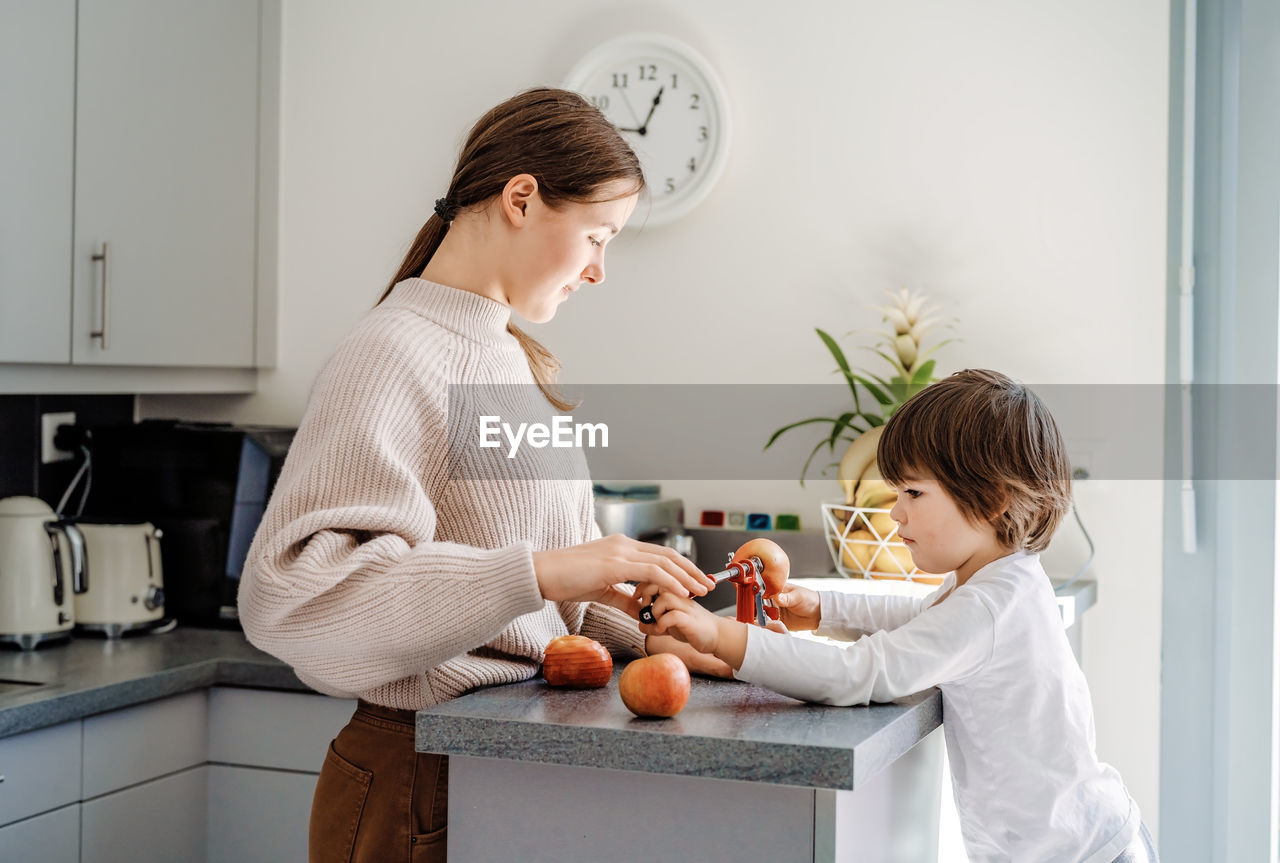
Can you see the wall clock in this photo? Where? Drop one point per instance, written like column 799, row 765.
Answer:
column 670, row 106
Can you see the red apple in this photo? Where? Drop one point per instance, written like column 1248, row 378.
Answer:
column 655, row 685
column 777, row 566
column 577, row 662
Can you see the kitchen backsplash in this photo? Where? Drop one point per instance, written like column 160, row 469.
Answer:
column 20, row 469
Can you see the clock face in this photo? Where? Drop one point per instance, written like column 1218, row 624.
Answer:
column 670, row 107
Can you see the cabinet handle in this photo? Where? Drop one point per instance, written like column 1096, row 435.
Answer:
column 106, row 298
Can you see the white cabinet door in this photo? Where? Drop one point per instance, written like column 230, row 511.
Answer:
column 135, row 744
column 166, row 178
column 284, row 730
column 37, row 111
column 40, row 770
column 53, row 837
column 258, row 816
column 162, row 821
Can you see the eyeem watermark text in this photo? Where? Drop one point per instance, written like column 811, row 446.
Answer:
column 563, row 433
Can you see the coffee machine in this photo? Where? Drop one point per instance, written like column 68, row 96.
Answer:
column 204, row 486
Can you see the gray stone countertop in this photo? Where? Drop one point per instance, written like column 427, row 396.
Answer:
column 93, row 675
column 728, row 730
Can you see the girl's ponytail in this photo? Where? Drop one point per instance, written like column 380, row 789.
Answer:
column 424, row 246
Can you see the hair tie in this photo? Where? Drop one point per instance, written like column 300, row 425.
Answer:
column 445, row 210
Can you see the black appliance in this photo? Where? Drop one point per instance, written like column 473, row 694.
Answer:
column 205, row 485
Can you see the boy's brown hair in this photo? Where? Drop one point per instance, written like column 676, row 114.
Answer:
column 994, row 448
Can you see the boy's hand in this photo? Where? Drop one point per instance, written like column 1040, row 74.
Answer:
column 682, row 618
column 799, row 607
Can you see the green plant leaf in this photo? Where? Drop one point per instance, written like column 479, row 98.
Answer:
column 934, row 348
column 875, row 391
column 892, row 360
column 805, row 470
column 840, row 359
column 788, row 428
column 844, row 421
column 881, row 381
column 924, row 374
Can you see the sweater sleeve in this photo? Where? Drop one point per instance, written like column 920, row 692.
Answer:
column 344, row 580
column 847, row 616
column 945, row 643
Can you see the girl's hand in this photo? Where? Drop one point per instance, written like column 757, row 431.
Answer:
column 799, row 607
column 698, row 663
column 595, row 572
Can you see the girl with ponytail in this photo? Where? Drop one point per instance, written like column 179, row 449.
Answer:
column 382, row 571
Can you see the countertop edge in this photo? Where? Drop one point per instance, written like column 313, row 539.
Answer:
column 651, row 746
column 59, row 700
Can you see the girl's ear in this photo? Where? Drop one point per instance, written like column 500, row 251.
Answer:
column 515, row 198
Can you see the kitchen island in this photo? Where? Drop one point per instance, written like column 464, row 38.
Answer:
column 740, row 773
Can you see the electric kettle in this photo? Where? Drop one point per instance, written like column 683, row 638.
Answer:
column 42, row 566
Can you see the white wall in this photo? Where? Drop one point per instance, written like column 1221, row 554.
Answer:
column 1007, row 157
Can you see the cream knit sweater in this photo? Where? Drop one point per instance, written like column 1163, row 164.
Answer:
column 381, row 569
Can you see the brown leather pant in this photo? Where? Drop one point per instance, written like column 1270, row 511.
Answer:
column 377, row 800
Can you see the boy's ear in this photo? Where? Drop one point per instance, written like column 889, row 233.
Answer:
column 515, row 198
column 997, row 505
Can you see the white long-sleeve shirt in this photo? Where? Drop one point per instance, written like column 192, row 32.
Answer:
column 1017, row 714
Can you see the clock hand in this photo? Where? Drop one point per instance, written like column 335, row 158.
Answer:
column 631, row 111
column 644, row 127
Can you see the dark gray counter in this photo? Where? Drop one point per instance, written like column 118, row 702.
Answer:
column 93, row 675
column 728, row 730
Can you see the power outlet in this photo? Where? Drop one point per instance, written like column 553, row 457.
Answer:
column 48, row 428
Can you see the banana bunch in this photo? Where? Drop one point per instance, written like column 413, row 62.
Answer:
column 859, row 475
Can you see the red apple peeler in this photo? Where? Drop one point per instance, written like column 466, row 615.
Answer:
column 758, row 570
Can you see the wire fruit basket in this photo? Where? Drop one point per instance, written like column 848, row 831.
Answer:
column 863, row 544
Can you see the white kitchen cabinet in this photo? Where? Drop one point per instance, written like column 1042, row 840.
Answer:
column 281, row 730
column 258, row 816
column 161, row 821
column 41, row 771
column 136, row 744
column 53, row 837
column 266, row 748
column 37, row 104
column 171, row 226
column 166, row 174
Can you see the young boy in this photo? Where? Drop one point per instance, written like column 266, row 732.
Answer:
column 983, row 482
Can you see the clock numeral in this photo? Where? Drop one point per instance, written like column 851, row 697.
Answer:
column 671, row 185
column 601, row 102
column 693, row 165
column 620, row 79
column 675, row 81
column 693, row 101
column 649, row 72
column 702, row 132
